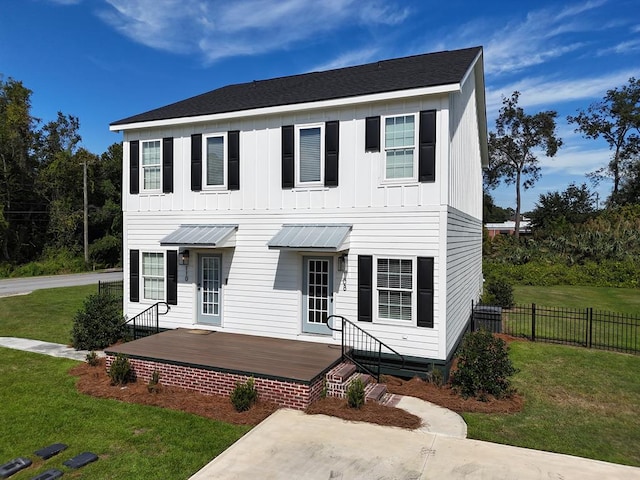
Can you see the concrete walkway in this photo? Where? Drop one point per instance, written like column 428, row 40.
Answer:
column 46, row 348
column 290, row 444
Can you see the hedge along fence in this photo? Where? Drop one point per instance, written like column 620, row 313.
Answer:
column 573, row 326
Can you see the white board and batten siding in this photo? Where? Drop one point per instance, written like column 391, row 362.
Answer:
column 262, row 287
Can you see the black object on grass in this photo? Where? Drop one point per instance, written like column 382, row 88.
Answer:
column 14, row 466
column 50, row 474
column 80, row 460
column 51, row 450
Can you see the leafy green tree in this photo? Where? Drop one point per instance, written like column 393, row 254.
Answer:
column 492, row 212
column 616, row 119
column 555, row 211
column 512, row 148
column 23, row 207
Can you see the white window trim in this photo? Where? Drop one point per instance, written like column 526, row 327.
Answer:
column 142, row 166
column 143, row 276
column 383, row 142
column 298, row 183
column 225, row 166
column 414, row 290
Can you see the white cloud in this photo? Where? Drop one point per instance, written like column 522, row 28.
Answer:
column 620, row 48
column 537, row 91
column 576, row 160
column 354, row 57
column 219, row 29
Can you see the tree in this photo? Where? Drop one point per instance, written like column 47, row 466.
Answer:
column 616, row 119
column 556, row 210
column 492, row 212
column 512, row 146
column 22, row 205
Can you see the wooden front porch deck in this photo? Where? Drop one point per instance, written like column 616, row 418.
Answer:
column 272, row 358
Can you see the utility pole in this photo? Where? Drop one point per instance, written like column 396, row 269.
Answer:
column 86, row 212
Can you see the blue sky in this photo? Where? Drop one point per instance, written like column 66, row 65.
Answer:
column 103, row 60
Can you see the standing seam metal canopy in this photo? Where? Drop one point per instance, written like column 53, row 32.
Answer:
column 199, row 235
column 311, row 236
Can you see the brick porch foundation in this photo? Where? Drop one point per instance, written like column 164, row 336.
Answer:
column 286, row 393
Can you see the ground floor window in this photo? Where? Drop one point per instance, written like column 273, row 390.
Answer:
column 153, row 275
column 394, row 282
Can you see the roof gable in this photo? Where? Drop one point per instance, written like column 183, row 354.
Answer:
column 426, row 70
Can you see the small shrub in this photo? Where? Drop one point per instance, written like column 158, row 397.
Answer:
column 120, row 370
column 98, row 323
column 355, row 394
column 499, row 292
column 244, row 395
column 154, row 382
column 484, row 367
column 92, row 358
column 435, row 376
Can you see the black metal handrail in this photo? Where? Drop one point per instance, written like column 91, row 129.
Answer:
column 146, row 322
column 362, row 348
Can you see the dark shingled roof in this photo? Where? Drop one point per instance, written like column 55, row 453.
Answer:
column 427, row 70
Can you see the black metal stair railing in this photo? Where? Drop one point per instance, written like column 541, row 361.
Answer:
column 362, row 348
column 146, row 322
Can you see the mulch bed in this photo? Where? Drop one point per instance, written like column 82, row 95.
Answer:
column 94, row 381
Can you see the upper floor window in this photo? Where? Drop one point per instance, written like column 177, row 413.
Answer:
column 215, row 164
column 151, row 165
column 153, row 276
column 394, row 281
column 310, row 154
column 399, row 146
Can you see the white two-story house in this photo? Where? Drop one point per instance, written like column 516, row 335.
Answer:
column 265, row 207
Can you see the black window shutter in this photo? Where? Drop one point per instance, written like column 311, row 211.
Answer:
column 134, row 275
column 134, row 166
column 288, row 161
column 167, row 165
column 172, row 277
column 425, row 292
column 365, row 287
column 372, row 134
column 196, row 162
column 427, row 146
column 331, row 147
column 233, row 168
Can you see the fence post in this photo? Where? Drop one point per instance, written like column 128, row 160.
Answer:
column 590, row 338
column 533, row 322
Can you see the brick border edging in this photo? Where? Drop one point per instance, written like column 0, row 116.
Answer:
column 211, row 382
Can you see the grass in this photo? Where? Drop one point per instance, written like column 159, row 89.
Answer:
column 45, row 315
column 577, row 401
column 41, row 406
column 622, row 300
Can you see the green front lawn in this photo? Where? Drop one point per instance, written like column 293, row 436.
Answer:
column 577, row 401
column 45, row 315
column 41, row 406
column 622, row 300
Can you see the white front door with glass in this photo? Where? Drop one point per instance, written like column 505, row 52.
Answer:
column 209, row 289
column 317, row 294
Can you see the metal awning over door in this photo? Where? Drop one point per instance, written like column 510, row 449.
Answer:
column 312, row 237
column 205, row 236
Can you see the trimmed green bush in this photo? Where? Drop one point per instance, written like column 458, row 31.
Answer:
column 120, row 370
column 484, row 367
column 355, row 394
column 92, row 358
column 244, row 395
column 499, row 292
column 98, row 323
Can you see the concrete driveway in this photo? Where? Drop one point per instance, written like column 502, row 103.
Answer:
column 292, row 445
column 16, row 286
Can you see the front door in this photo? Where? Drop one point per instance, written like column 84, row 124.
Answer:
column 209, row 289
column 317, row 294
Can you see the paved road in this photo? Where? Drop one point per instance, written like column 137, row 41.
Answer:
column 14, row 286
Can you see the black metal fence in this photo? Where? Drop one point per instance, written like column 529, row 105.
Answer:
column 572, row 326
column 146, row 322
column 113, row 288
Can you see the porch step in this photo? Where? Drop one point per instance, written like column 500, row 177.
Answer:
column 375, row 392
column 341, row 372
